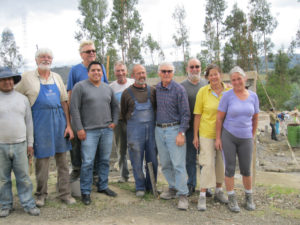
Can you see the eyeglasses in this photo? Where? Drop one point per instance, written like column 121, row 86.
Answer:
column 197, row 67
column 166, row 71
column 89, row 51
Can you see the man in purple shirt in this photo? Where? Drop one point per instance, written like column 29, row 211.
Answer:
column 172, row 120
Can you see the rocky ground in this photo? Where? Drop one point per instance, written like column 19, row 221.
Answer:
column 277, row 198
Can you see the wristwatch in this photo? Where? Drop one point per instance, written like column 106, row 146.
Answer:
column 182, row 133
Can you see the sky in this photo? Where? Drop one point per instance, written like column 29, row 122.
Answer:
column 52, row 24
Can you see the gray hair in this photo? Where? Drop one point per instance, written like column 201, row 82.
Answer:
column 42, row 51
column 237, row 69
column 166, row 64
column 120, row 63
column 84, row 43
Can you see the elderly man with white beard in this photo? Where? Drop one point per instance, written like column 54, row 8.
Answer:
column 192, row 85
column 51, row 120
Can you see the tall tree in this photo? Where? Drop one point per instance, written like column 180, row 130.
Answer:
column 93, row 25
column 153, row 46
column 262, row 23
column 126, row 28
column 9, row 51
column 212, row 28
column 181, row 35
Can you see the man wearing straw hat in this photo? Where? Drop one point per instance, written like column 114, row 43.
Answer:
column 16, row 144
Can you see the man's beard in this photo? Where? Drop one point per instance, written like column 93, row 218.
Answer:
column 44, row 67
column 140, row 82
column 194, row 77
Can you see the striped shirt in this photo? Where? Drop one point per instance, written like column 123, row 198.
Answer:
column 172, row 105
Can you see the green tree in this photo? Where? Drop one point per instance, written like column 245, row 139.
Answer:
column 228, row 61
column 212, row 28
column 153, row 47
column 203, row 57
column 9, row 51
column 262, row 23
column 181, row 35
column 126, row 28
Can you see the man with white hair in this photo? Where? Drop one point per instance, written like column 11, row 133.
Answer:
column 192, row 85
column 52, row 129
column 16, row 141
column 78, row 73
column 120, row 134
column 172, row 120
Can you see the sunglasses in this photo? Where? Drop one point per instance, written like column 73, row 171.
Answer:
column 197, row 67
column 89, row 51
column 166, row 71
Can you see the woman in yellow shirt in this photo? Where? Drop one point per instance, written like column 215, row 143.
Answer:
column 205, row 110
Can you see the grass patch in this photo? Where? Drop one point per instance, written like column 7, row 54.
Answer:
column 287, row 213
column 125, row 186
column 278, row 191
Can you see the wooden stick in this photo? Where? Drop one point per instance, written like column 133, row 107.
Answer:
column 152, row 178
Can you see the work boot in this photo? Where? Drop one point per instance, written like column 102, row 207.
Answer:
column 5, row 212
column 232, row 204
column 183, row 202
column 40, row 201
column 249, row 204
column 69, row 200
column 140, row 194
column 33, row 211
column 191, row 190
column 74, row 175
column 201, row 203
column 169, row 194
column 220, row 197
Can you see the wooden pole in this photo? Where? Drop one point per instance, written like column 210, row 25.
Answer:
column 107, row 67
column 254, row 147
column 152, row 178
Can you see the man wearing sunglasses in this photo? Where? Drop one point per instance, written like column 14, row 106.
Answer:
column 172, row 120
column 78, row 73
column 192, row 85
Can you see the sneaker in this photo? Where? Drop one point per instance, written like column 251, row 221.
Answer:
column 140, row 194
column 183, row 202
column 33, row 211
column 108, row 192
column 40, row 201
column 232, row 204
column 249, row 204
column 208, row 193
column 169, row 194
column 69, row 201
column 220, row 197
column 123, row 180
column 74, row 175
column 201, row 203
column 86, row 199
column 5, row 212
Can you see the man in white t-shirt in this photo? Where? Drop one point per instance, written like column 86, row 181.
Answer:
column 120, row 134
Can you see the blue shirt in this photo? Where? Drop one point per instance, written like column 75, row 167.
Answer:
column 78, row 73
column 172, row 105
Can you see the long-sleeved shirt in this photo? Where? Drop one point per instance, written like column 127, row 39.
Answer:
column 15, row 119
column 172, row 105
column 93, row 107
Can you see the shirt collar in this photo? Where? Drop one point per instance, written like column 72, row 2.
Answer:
column 171, row 84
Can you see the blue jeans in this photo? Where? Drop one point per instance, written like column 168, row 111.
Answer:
column 172, row 158
column 14, row 157
column 140, row 141
column 191, row 157
column 96, row 138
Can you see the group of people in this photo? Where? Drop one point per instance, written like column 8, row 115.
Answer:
column 171, row 120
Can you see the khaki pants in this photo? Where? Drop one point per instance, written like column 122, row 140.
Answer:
column 42, row 172
column 211, row 160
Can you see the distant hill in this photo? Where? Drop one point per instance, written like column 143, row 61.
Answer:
column 294, row 61
column 63, row 72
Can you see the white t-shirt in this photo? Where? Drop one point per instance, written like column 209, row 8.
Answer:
column 119, row 88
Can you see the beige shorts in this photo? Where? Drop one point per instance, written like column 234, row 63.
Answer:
column 211, row 160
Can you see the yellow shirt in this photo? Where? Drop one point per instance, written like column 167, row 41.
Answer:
column 206, row 105
column 30, row 85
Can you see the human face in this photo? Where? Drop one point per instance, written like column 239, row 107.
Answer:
column 95, row 74
column 214, row 77
column 238, row 81
column 88, row 54
column 44, row 61
column 139, row 75
column 6, row 84
column 120, row 73
column 166, row 74
column 194, row 69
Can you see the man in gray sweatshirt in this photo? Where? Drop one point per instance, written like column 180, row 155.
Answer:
column 94, row 112
column 16, row 144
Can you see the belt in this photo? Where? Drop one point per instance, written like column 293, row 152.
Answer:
column 164, row 125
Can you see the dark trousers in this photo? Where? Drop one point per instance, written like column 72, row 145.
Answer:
column 273, row 133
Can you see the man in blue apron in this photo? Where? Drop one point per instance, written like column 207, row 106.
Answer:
column 52, row 130
column 137, row 109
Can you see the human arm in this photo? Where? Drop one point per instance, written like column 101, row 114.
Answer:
column 219, row 124
column 68, row 130
column 69, row 97
column 197, row 119
column 29, row 129
column 115, row 111
column 254, row 123
column 75, row 106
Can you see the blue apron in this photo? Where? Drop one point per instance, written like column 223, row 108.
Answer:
column 49, row 123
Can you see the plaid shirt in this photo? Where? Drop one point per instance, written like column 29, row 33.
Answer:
column 172, row 105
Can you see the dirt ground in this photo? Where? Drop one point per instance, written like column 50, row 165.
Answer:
column 276, row 195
